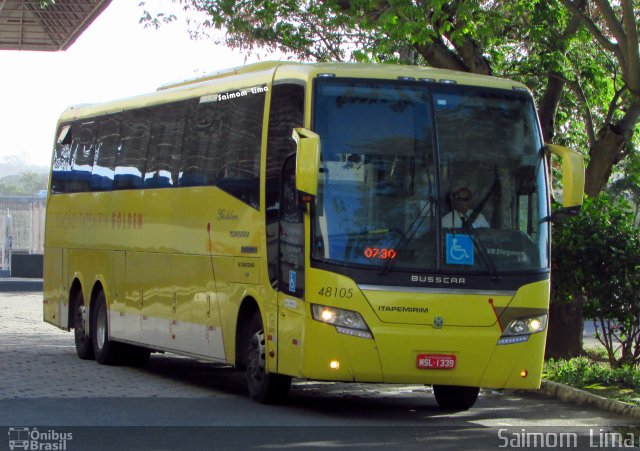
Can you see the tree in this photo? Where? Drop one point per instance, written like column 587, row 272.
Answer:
column 615, row 28
column 602, row 248
column 24, row 184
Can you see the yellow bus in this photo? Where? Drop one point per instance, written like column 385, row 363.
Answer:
column 335, row 222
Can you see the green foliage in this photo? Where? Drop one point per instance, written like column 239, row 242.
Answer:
column 596, row 255
column 337, row 30
column 25, row 184
column 578, row 372
column 581, row 372
column 627, row 183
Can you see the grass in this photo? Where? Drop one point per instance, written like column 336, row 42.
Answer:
column 593, row 374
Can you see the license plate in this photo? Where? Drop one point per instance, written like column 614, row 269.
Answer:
column 436, row 361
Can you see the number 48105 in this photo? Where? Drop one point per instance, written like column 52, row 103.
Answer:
column 335, row 292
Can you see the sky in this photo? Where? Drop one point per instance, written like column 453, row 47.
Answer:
column 115, row 57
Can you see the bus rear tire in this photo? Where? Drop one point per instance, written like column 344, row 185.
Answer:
column 84, row 345
column 106, row 351
column 452, row 397
column 264, row 387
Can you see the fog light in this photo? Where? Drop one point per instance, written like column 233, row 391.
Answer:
column 334, row 364
column 524, row 373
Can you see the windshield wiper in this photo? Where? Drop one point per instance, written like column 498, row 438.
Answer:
column 485, row 259
column 482, row 252
column 411, row 231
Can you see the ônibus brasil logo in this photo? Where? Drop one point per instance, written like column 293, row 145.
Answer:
column 33, row 439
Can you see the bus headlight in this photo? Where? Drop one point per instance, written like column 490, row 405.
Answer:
column 519, row 330
column 346, row 322
column 526, row 326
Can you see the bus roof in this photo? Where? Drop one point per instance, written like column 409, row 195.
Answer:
column 365, row 70
column 263, row 72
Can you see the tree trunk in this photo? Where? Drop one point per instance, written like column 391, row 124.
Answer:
column 549, row 107
column 439, row 55
column 564, row 335
column 610, row 147
column 605, row 153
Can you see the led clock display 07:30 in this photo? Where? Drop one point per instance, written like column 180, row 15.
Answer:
column 380, row 253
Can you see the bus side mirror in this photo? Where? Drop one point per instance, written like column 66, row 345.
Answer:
column 307, row 163
column 572, row 178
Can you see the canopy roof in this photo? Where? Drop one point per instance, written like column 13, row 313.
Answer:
column 25, row 25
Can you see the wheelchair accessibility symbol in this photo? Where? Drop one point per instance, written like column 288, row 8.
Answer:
column 459, row 249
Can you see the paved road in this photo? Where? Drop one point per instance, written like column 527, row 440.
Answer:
column 179, row 403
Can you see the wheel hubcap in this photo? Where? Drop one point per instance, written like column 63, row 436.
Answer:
column 80, row 322
column 257, row 357
column 101, row 328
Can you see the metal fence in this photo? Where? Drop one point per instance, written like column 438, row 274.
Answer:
column 21, row 227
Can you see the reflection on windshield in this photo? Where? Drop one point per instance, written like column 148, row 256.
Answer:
column 425, row 177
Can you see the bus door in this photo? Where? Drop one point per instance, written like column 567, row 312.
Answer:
column 291, row 278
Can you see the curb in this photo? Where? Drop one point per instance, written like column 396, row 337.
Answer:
column 575, row 395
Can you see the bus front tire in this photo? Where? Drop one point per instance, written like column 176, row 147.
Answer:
column 105, row 350
column 451, row 397
column 84, row 345
column 264, row 387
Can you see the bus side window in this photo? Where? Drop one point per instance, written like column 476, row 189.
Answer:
column 61, row 170
column 240, row 122
column 165, row 143
column 199, row 160
column 82, row 150
column 132, row 150
column 105, row 154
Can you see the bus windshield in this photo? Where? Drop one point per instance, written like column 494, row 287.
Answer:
column 429, row 177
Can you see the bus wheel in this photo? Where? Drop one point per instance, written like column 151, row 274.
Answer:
column 84, row 346
column 105, row 350
column 263, row 387
column 451, row 397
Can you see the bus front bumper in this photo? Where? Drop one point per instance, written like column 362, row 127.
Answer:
column 395, row 354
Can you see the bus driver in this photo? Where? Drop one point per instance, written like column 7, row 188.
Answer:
column 461, row 213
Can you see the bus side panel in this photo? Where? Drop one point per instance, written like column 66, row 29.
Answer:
column 117, row 306
column 229, row 296
column 290, row 338
column 228, row 310
column 237, row 280
column 54, row 294
column 88, row 266
column 66, row 287
column 171, row 304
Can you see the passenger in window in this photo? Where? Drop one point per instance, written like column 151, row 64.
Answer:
column 462, row 215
